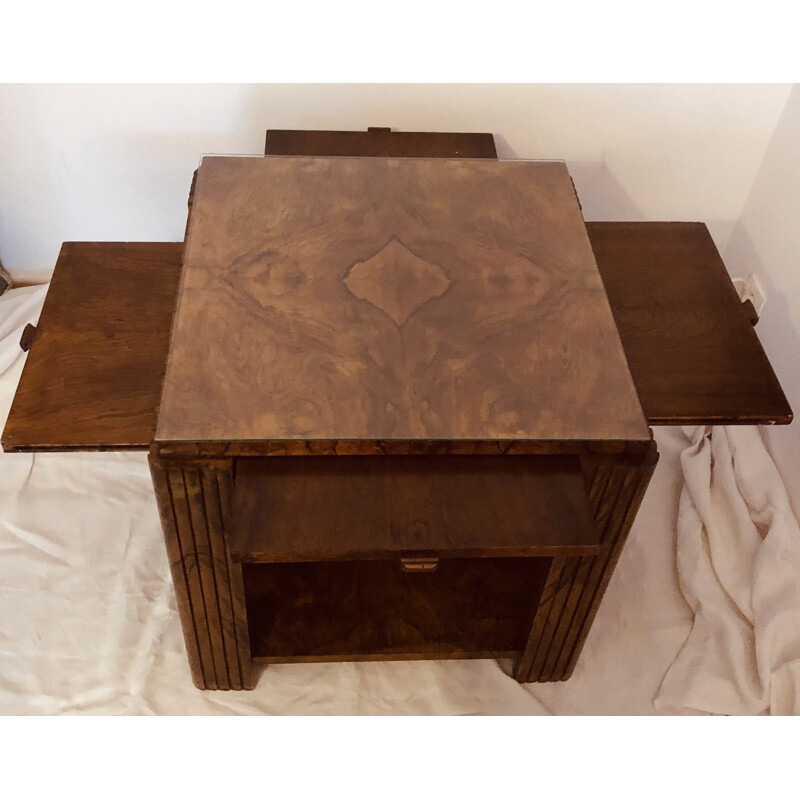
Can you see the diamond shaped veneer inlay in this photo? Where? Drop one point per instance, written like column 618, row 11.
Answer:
column 396, row 281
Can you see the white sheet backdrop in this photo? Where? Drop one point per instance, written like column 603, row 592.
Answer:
column 88, row 623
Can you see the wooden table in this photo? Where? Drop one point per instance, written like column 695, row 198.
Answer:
column 403, row 409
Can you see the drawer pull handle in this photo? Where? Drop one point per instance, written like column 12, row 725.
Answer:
column 419, row 564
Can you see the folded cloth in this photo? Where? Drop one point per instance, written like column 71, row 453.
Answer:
column 738, row 560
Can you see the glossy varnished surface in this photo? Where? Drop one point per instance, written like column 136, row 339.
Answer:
column 692, row 350
column 317, row 508
column 92, row 380
column 392, row 299
column 93, row 377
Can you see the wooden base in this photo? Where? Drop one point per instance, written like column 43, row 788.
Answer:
column 535, row 609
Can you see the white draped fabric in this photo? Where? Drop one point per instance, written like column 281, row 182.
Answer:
column 738, row 555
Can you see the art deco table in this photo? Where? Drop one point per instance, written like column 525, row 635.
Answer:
column 403, row 408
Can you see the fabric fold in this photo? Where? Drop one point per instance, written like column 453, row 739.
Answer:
column 738, row 560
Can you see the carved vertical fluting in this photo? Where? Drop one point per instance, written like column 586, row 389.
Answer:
column 188, row 617
column 194, row 503
column 575, row 585
column 224, row 479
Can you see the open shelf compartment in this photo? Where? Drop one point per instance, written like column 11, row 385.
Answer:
column 323, row 508
column 325, row 544
column 372, row 610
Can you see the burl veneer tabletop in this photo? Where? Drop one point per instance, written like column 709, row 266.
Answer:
column 369, row 299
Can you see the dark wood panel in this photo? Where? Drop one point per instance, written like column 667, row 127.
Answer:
column 354, row 507
column 478, row 608
column 574, row 586
column 194, row 564
column 92, row 380
column 380, row 142
column 93, row 376
column 208, row 566
column 393, row 447
column 691, row 348
column 405, row 299
column 169, row 526
column 194, row 504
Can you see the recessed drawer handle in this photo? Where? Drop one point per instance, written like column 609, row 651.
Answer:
column 419, row 564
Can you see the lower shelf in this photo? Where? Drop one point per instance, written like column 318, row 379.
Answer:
column 372, row 610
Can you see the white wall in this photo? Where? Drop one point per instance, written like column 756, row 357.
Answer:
column 766, row 241
column 115, row 162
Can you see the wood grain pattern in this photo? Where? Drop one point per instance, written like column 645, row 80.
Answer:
column 392, row 447
column 380, row 142
column 663, row 281
column 693, row 354
column 92, row 379
column 373, row 610
column 651, row 278
column 208, row 585
column 574, row 587
column 291, row 327
column 356, row 508
column 111, row 376
column 189, row 620
column 224, row 478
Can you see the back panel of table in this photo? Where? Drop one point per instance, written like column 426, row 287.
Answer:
column 384, row 143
